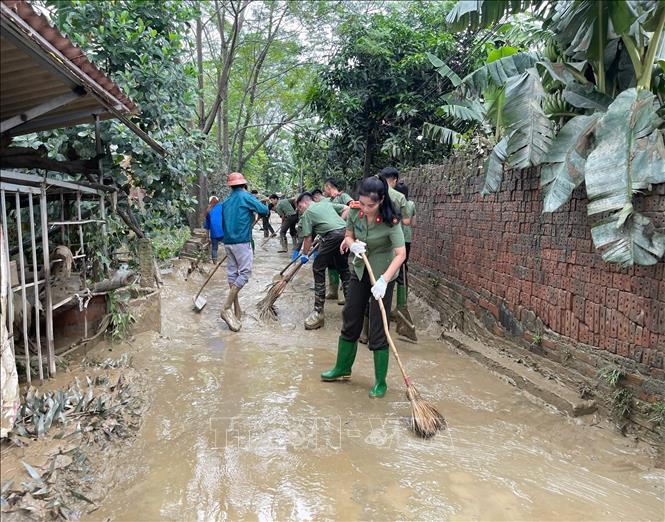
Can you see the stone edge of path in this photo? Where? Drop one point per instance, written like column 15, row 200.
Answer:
column 520, row 373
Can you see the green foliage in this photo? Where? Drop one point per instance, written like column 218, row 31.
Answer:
column 622, row 403
column 143, row 47
column 375, row 94
column 167, row 242
column 657, row 412
column 121, row 318
column 585, row 105
column 611, row 375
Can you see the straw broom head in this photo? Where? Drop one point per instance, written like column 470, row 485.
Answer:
column 266, row 306
column 425, row 419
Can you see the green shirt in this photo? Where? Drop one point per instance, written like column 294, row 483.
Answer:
column 342, row 198
column 399, row 202
column 408, row 229
column 284, row 208
column 381, row 241
column 321, row 218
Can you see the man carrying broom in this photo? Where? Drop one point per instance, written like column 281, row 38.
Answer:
column 322, row 219
column 373, row 230
column 238, row 221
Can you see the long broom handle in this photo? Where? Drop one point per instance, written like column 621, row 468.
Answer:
column 314, row 246
column 210, row 277
column 386, row 328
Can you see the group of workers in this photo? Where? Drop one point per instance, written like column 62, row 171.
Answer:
column 327, row 227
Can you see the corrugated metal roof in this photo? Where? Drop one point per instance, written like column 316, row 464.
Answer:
column 47, row 82
column 68, row 50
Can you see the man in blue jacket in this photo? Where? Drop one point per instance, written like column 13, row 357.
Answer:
column 213, row 224
column 237, row 222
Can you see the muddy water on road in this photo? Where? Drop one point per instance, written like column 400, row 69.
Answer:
column 241, row 427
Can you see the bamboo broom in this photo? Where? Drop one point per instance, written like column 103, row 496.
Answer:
column 266, row 306
column 425, row 419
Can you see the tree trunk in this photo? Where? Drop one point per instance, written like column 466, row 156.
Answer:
column 369, row 154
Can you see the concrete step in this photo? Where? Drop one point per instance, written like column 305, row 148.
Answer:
column 522, row 376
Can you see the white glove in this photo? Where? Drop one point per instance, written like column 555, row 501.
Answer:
column 379, row 288
column 358, row 248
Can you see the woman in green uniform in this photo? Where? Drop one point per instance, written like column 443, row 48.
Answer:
column 373, row 229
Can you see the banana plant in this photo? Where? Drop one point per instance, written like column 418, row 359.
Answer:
column 588, row 113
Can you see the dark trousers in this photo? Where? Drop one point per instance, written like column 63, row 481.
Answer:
column 353, row 314
column 402, row 277
column 289, row 223
column 267, row 227
column 329, row 256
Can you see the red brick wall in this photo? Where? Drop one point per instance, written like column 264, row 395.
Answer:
column 535, row 272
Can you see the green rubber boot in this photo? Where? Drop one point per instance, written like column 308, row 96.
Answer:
column 381, row 358
column 333, row 284
column 346, row 354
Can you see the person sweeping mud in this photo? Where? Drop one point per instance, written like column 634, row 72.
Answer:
column 391, row 176
column 333, row 191
column 237, row 221
column 322, row 219
column 373, row 229
column 287, row 212
column 402, row 278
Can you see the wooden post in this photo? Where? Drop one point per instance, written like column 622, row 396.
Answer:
column 146, row 262
column 78, row 217
column 35, row 282
column 62, row 218
column 102, row 197
column 48, row 312
column 24, row 297
column 8, row 282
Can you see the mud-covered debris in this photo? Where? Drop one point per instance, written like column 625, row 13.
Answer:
column 124, row 361
column 87, row 415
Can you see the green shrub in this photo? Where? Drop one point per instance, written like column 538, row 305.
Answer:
column 167, row 242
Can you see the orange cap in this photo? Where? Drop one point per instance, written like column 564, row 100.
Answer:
column 235, row 179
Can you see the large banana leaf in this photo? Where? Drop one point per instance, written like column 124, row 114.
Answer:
column 629, row 156
column 636, row 242
column 495, row 101
column 500, row 71
column 529, row 128
column 443, row 70
column 586, row 97
column 494, row 167
column 476, row 14
column 464, row 110
column 611, row 176
column 441, row 134
column 564, row 169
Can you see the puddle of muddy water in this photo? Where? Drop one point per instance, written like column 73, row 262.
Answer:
column 241, row 427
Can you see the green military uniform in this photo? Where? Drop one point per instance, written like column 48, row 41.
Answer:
column 408, row 229
column 284, row 208
column 401, row 204
column 322, row 219
column 341, row 200
column 287, row 212
column 381, row 240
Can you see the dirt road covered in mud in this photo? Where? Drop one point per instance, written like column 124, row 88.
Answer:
column 242, row 427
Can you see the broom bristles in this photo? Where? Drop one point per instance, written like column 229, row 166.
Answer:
column 426, row 421
column 266, row 305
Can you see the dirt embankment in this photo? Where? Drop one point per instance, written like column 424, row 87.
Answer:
column 58, row 462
